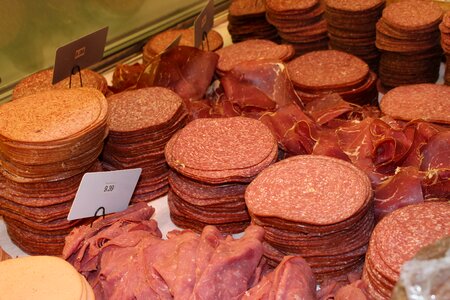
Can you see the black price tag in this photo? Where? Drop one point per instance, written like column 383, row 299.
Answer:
column 203, row 23
column 79, row 54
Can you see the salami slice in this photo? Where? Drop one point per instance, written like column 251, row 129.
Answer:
column 212, row 161
column 409, row 38
column 299, row 23
column 142, row 122
column 299, row 203
column 397, row 238
column 430, row 102
column 49, row 140
column 42, row 81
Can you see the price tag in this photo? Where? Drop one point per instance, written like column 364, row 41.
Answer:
column 203, row 23
column 111, row 190
column 80, row 53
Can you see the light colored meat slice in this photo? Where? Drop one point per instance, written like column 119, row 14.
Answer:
column 292, row 279
column 231, row 267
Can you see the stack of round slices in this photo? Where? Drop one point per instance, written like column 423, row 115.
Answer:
column 250, row 50
column 317, row 207
column 319, row 73
column 445, row 43
column 212, row 161
column 42, row 81
column 47, row 142
column 426, row 101
column 42, row 278
column 142, row 122
column 409, row 40
column 247, row 20
column 157, row 44
column 397, row 238
column 351, row 27
column 300, row 23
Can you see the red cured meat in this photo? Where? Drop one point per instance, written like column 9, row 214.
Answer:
column 436, row 164
column 296, row 133
column 186, row 70
column 291, row 279
column 327, row 145
column 135, row 279
column 423, row 132
column 268, row 78
column 353, row 291
column 126, row 77
column 436, row 154
column 399, row 190
column 231, row 267
column 327, row 108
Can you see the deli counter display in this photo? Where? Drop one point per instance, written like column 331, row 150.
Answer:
column 241, row 149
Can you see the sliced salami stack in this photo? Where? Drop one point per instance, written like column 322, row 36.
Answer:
column 351, row 27
column 427, row 101
column 397, row 238
column 300, row 23
column 48, row 141
column 247, row 20
column 213, row 160
column 317, row 207
column 42, row 81
column 445, row 43
column 250, row 50
column 408, row 38
column 157, row 44
column 319, row 73
column 142, row 122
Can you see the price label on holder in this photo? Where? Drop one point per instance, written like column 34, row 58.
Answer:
column 110, row 190
column 79, row 54
column 203, row 23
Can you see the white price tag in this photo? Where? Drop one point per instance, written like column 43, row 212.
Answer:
column 111, row 190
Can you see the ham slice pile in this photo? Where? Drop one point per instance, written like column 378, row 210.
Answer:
column 124, row 257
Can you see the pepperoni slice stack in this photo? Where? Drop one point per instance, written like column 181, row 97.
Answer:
column 157, row 44
column 47, row 141
column 408, row 37
column 300, row 23
column 397, row 238
column 250, row 50
column 247, row 20
column 314, row 206
column 142, row 122
column 427, row 101
column 319, row 73
column 445, row 43
column 42, row 81
column 351, row 27
column 213, row 160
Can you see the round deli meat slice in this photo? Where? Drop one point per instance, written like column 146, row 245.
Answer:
column 309, row 189
column 222, row 144
column 248, row 50
column 42, row 81
column 143, row 108
column 412, row 14
column 427, row 101
column 51, row 115
column 398, row 237
column 327, row 69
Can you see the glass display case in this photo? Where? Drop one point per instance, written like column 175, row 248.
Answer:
column 31, row 31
